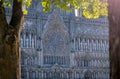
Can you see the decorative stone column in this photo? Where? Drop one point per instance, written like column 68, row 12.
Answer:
column 72, row 57
column 24, row 38
column 74, row 44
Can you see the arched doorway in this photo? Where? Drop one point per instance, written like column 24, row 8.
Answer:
column 87, row 75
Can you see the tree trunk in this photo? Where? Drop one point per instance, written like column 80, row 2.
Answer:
column 114, row 23
column 9, row 42
column 9, row 55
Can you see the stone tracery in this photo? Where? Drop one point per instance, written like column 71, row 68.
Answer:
column 75, row 44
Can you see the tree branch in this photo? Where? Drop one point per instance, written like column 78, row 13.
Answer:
column 17, row 15
column 3, row 21
column 2, row 13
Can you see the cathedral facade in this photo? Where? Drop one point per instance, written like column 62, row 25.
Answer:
column 59, row 45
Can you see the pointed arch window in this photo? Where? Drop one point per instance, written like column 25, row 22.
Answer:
column 21, row 41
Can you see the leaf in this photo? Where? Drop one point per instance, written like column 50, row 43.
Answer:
column 24, row 11
column 44, row 4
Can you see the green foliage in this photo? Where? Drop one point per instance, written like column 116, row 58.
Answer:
column 25, row 3
column 7, row 3
column 94, row 8
column 90, row 8
column 67, row 5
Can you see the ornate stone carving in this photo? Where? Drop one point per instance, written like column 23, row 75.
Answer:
column 55, row 35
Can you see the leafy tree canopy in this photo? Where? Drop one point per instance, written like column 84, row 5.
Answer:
column 90, row 8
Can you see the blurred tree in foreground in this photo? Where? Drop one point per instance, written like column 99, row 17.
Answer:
column 114, row 38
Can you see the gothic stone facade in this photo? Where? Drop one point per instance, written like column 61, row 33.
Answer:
column 59, row 45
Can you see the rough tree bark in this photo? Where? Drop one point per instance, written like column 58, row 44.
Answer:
column 9, row 42
column 114, row 23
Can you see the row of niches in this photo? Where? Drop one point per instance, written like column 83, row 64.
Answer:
column 90, row 40
column 98, row 21
column 92, row 55
column 29, row 61
column 29, row 28
column 28, row 42
column 51, row 60
column 92, row 31
column 92, row 63
column 91, row 48
column 90, row 45
column 86, row 46
column 48, row 60
column 64, row 74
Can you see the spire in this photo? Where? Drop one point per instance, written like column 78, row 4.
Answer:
column 54, row 16
column 55, row 21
